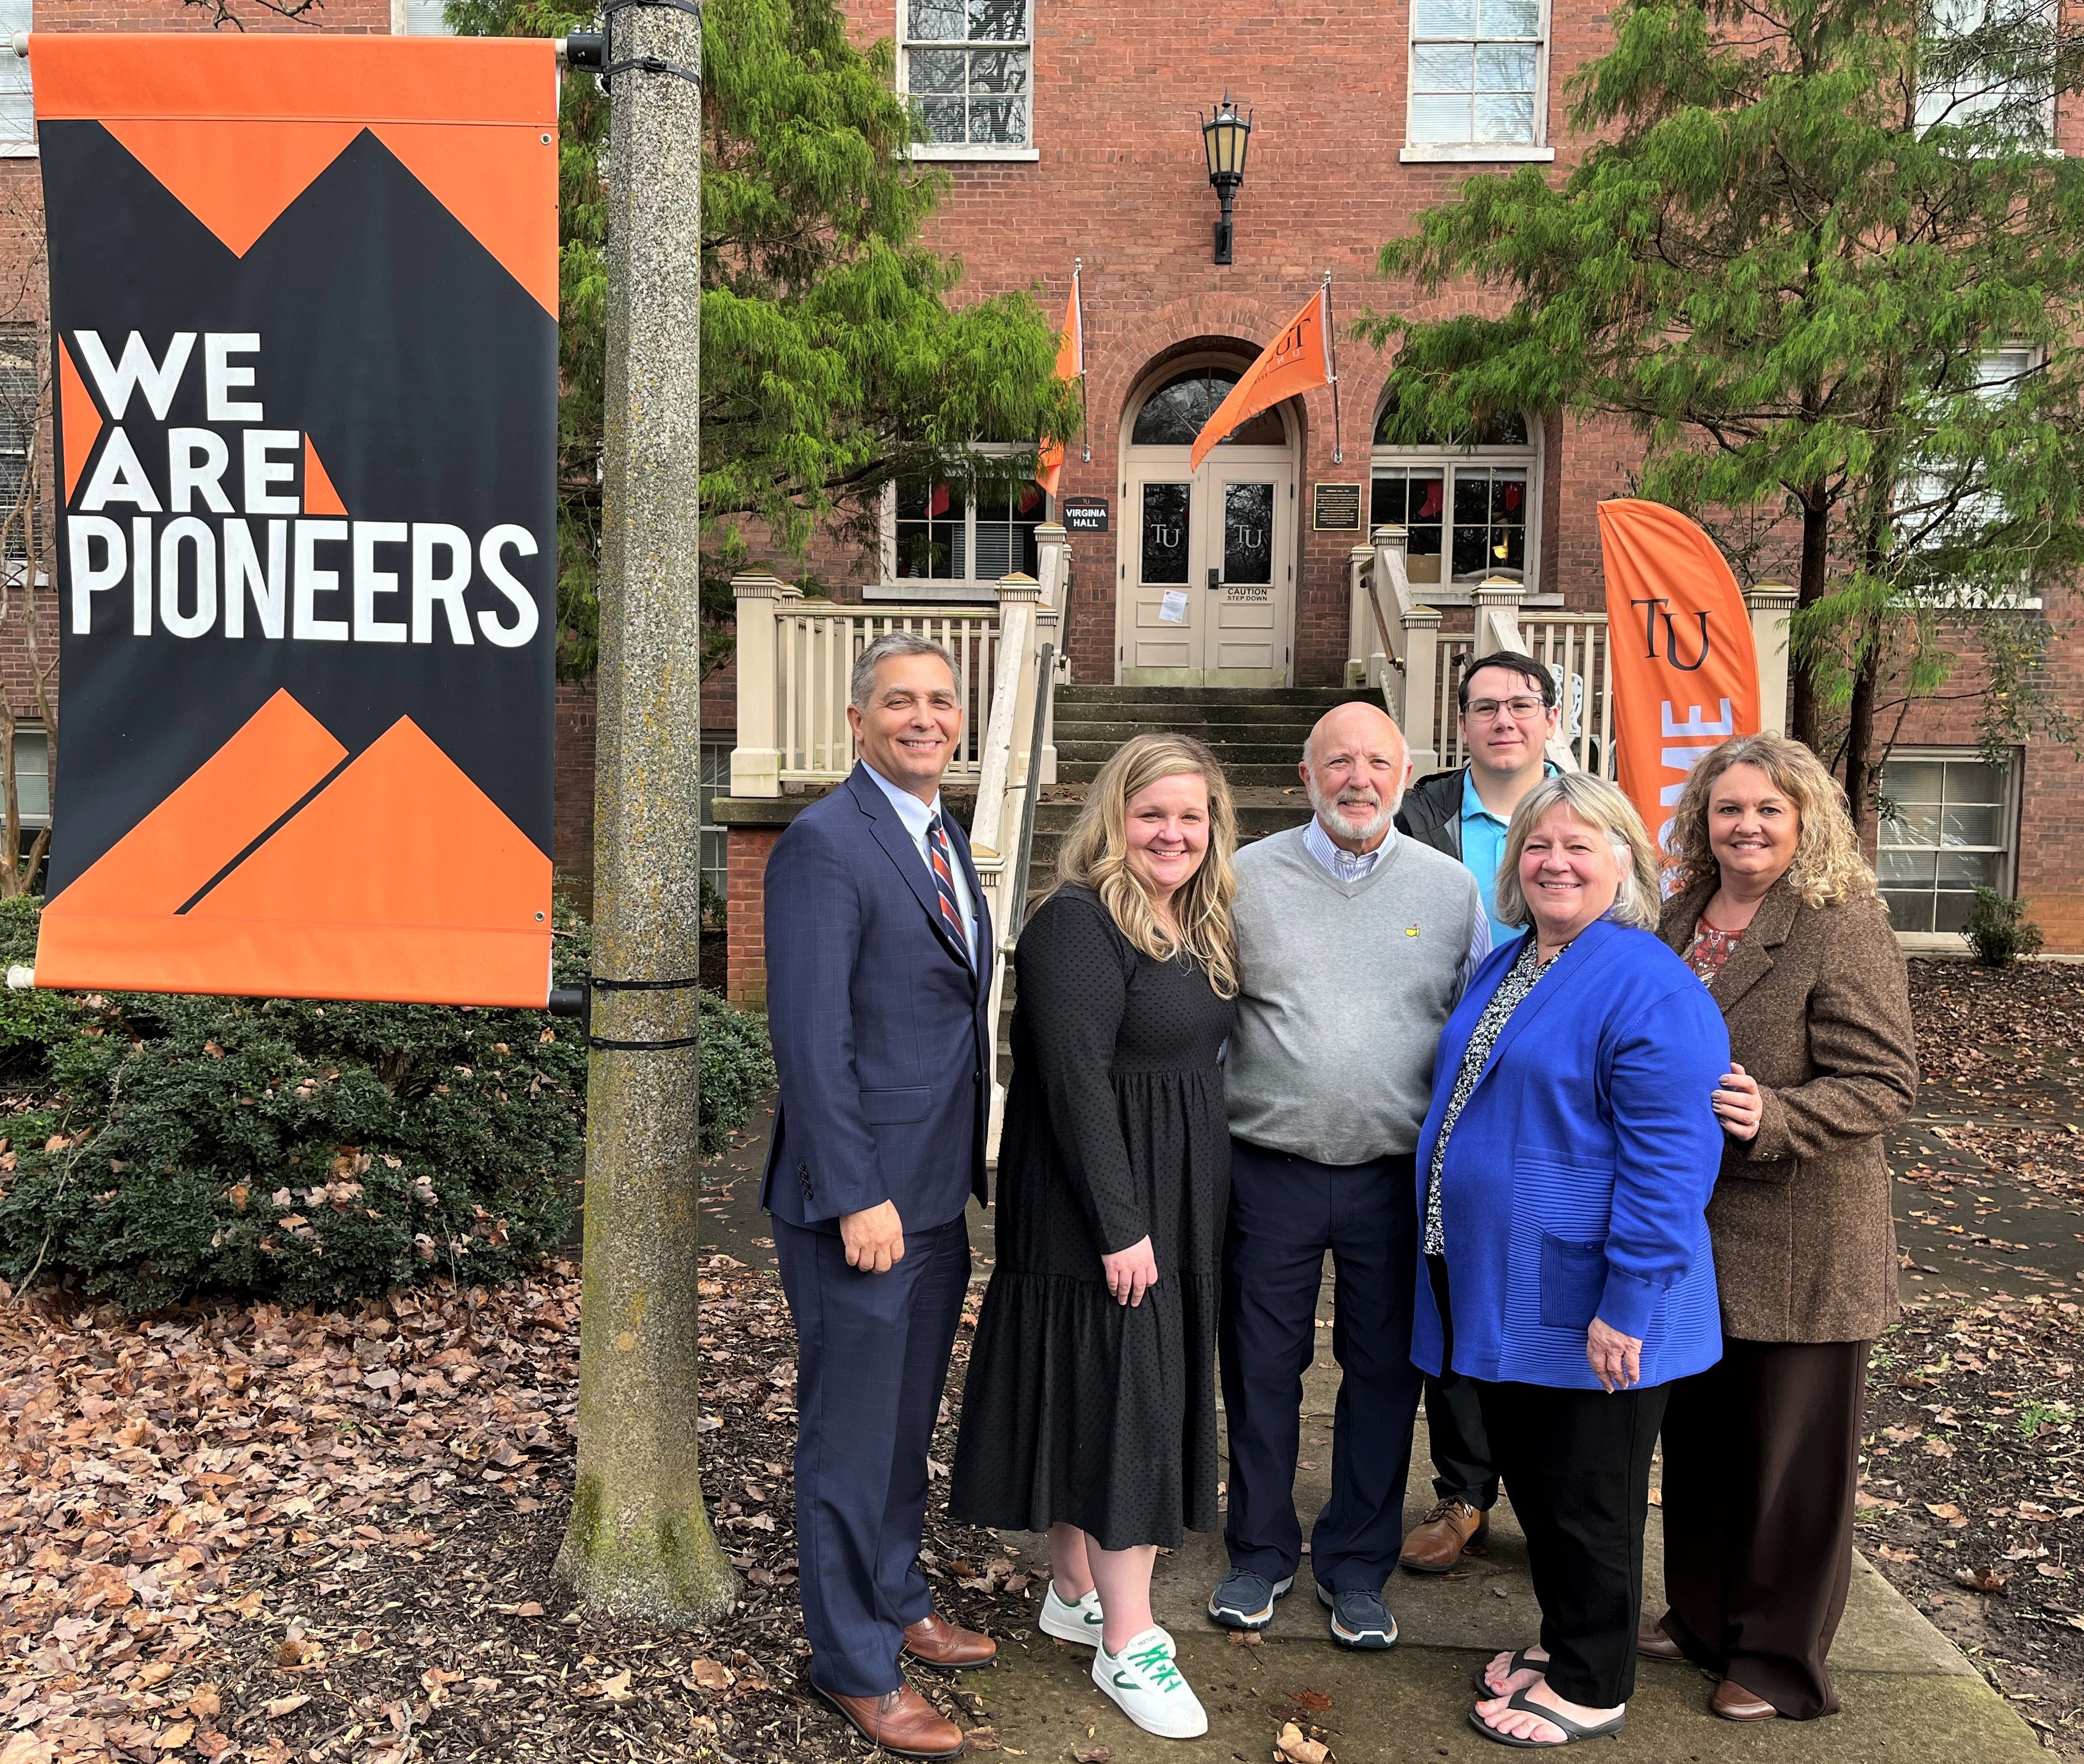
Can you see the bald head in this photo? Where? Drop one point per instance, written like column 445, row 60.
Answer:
column 1355, row 765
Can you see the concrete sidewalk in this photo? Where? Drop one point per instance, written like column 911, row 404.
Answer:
column 1909, row 1694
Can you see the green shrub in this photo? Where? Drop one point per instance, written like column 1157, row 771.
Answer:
column 301, row 1152
column 738, row 1070
column 1998, row 930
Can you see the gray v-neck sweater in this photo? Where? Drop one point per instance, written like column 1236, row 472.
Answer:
column 1345, row 987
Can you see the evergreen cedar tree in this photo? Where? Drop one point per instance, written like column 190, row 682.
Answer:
column 833, row 358
column 1794, row 285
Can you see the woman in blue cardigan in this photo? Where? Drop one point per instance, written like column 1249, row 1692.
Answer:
column 1568, row 1156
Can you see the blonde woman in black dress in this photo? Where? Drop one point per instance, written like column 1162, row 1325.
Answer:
column 1090, row 1410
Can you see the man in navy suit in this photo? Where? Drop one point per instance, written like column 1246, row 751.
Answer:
column 879, row 984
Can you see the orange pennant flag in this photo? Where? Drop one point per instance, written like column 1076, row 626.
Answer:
column 1297, row 361
column 1071, row 365
column 1685, row 667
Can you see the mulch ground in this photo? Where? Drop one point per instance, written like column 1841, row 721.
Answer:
column 1973, row 1490
column 236, row 1533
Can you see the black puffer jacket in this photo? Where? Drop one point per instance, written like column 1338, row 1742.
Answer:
column 1432, row 811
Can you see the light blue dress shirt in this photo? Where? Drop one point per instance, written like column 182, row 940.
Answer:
column 917, row 817
column 1347, row 866
column 1483, row 850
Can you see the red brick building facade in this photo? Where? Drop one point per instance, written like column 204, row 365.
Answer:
column 1075, row 133
column 1352, row 108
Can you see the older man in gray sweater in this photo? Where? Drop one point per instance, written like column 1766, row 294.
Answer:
column 1355, row 944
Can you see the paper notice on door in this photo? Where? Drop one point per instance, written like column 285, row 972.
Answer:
column 1172, row 609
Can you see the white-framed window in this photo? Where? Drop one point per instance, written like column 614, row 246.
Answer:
column 18, row 404
column 32, row 774
column 419, row 17
column 715, row 782
column 18, row 113
column 2015, row 80
column 968, row 65
column 1950, row 825
column 1470, row 508
column 1479, row 80
column 944, row 541
column 1929, row 511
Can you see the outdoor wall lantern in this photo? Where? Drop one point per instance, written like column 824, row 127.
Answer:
column 1226, row 136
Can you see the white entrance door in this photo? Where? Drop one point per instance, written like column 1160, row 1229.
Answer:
column 1207, row 581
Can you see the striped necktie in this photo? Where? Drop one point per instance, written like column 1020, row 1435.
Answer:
column 944, row 883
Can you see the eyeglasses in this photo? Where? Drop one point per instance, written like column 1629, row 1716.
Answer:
column 1484, row 709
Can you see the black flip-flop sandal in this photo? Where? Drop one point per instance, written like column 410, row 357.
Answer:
column 1572, row 1731
column 1520, row 1662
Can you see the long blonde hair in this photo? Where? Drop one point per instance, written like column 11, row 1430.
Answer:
column 1094, row 855
column 1826, row 867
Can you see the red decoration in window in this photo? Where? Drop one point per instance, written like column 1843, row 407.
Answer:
column 937, row 503
column 1430, row 509
column 1512, row 496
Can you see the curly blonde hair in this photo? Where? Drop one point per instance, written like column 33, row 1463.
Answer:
column 1095, row 855
column 1827, row 866
column 1604, row 810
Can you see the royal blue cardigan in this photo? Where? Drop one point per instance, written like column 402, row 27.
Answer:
column 1577, row 1179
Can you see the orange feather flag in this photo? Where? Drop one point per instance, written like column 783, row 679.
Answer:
column 1685, row 666
column 1071, row 365
column 1297, row 361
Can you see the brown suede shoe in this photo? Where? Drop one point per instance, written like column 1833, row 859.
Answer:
column 900, row 1721
column 1653, row 1644
column 1733, row 1703
column 1437, row 1541
column 940, row 1643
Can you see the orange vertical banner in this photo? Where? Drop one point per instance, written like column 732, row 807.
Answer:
column 1299, row 360
column 1685, row 671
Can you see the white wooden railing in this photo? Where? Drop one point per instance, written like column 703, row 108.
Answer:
column 794, row 658
column 1396, row 645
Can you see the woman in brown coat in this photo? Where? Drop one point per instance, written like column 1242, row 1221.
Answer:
column 1777, row 912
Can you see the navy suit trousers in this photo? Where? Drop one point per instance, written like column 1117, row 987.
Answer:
column 1286, row 1212
column 872, row 1358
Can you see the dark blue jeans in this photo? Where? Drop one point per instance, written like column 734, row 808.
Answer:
column 1286, row 1212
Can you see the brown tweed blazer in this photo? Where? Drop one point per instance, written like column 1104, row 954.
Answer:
column 1818, row 1006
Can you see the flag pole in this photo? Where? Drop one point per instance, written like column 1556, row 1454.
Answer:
column 1332, row 366
column 1085, row 416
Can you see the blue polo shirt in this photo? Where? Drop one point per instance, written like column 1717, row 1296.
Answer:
column 1483, row 850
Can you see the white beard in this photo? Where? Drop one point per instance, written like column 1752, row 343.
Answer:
column 1362, row 832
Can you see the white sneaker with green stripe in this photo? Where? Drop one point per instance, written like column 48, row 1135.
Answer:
column 1072, row 1621
column 1145, row 1680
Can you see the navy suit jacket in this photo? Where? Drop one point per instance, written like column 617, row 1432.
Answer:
column 879, row 1022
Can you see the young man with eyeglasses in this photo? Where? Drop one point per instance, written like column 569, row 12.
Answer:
column 1509, row 713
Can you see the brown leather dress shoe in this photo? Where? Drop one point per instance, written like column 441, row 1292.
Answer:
column 1437, row 1541
column 937, row 1642
column 1653, row 1644
column 1733, row 1703
column 900, row 1721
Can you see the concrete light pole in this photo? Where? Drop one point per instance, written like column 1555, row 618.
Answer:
column 639, row 1541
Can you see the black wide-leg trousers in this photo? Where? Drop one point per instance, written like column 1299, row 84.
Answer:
column 1761, row 1459
column 1576, row 1464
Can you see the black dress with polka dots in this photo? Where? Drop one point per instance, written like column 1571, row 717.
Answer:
column 1079, row 1410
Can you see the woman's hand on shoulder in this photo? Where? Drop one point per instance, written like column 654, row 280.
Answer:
column 1738, row 1105
column 1616, row 1358
column 1131, row 1273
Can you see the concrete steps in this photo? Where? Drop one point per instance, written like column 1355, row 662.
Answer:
column 1257, row 733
